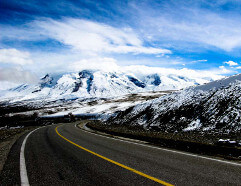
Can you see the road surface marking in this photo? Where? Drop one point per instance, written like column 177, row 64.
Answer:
column 114, row 162
column 167, row 150
column 23, row 169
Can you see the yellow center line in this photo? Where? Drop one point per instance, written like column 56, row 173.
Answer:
column 114, row 162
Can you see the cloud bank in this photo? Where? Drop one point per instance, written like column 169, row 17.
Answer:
column 17, row 75
column 14, row 56
column 110, row 65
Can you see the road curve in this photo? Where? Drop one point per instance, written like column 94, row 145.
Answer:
column 67, row 155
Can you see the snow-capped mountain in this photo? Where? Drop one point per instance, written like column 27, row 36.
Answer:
column 98, row 83
column 215, row 106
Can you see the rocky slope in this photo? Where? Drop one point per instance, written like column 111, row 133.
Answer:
column 214, row 107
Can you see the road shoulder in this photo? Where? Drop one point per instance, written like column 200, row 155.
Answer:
column 7, row 138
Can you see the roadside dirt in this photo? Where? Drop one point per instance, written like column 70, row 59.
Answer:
column 7, row 138
column 169, row 141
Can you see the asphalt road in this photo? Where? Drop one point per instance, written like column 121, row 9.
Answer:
column 71, row 156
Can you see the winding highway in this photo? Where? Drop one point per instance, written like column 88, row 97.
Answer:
column 66, row 155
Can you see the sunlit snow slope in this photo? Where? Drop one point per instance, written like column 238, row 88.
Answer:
column 98, row 83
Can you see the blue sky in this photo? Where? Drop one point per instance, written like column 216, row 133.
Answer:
column 50, row 36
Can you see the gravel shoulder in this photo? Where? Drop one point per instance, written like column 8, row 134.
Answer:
column 8, row 137
column 188, row 143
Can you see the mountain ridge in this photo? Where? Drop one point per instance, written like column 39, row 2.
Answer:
column 98, row 83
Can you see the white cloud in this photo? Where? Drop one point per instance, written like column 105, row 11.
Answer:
column 231, row 63
column 93, row 37
column 200, row 60
column 224, row 70
column 4, row 85
column 141, row 69
column 14, row 56
column 104, row 64
column 110, row 65
column 190, row 26
column 239, row 67
column 17, row 75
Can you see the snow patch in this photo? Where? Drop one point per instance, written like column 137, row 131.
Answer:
column 193, row 125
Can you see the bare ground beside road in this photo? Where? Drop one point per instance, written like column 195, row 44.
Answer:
column 7, row 139
column 190, row 142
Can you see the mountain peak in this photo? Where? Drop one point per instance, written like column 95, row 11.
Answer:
column 98, row 83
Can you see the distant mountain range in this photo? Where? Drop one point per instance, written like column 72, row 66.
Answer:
column 98, row 83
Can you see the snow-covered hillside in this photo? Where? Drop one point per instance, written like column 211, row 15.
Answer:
column 215, row 106
column 99, row 83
